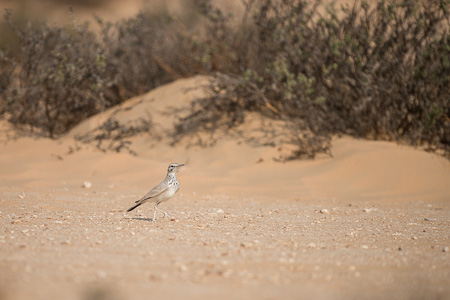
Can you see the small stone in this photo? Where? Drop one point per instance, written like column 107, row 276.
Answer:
column 414, row 237
column 87, row 184
column 66, row 242
column 446, row 249
column 225, row 273
column 429, row 219
column 364, row 247
column 16, row 221
column 246, row 245
column 101, row 274
column 220, row 211
column 311, row 245
column 182, row 267
column 22, row 195
column 324, row 211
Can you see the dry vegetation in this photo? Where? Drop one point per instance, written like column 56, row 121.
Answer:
column 379, row 72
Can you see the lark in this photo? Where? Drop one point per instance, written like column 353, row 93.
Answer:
column 163, row 191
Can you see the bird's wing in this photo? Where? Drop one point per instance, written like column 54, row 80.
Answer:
column 154, row 192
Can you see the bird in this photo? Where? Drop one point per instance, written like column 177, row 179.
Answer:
column 163, row 191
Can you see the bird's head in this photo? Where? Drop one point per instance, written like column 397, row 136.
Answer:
column 174, row 168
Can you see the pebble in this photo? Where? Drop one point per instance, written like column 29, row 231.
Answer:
column 220, row 211
column 246, row 245
column 364, row 247
column 311, row 245
column 225, row 273
column 87, row 184
column 368, row 210
column 446, row 249
column 101, row 274
column 22, row 195
column 324, row 211
column 182, row 267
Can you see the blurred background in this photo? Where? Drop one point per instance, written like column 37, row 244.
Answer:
column 370, row 70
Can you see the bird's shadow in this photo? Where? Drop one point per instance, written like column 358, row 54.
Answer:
column 140, row 219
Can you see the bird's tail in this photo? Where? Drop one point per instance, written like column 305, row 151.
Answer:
column 133, row 207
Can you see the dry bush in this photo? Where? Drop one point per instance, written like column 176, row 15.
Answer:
column 148, row 50
column 114, row 135
column 62, row 75
column 380, row 72
column 60, row 78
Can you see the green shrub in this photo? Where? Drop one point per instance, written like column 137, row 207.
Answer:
column 378, row 72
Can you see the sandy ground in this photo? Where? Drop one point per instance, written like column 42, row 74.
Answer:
column 371, row 222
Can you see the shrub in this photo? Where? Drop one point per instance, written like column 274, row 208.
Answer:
column 61, row 78
column 62, row 75
column 378, row 72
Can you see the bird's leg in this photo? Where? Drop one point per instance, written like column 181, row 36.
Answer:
column 156, row 208
column 154, row 215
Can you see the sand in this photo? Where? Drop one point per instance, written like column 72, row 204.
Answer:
column 370, row 222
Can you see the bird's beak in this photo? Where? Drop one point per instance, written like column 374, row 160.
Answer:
column 180, row 165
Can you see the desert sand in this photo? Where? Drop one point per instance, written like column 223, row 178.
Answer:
column 371, row 221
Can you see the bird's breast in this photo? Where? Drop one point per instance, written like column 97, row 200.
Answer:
column 167, row 194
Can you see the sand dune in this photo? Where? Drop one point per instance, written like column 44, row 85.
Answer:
column 359, row 169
